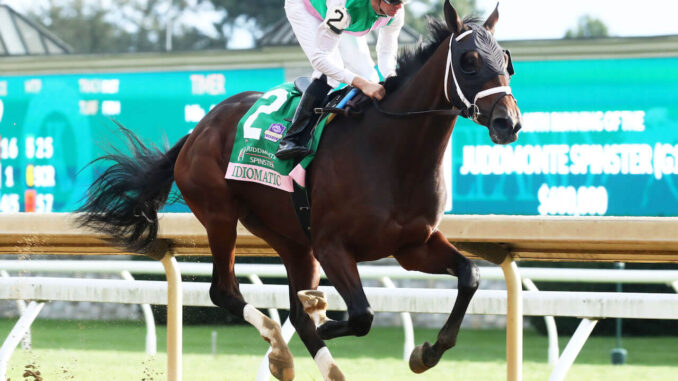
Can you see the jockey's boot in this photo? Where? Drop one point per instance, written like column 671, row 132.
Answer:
column 295, row 142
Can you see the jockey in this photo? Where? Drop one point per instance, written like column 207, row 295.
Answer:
column 321, row 26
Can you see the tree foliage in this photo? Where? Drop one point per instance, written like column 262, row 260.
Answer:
column 91, row 26
column 110, row 26
column 82, row 26
column 434, row 8
column 588, row 27
column 256, row 15
column 259, row 15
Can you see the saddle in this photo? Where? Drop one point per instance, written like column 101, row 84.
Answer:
column 263, row 126
column 334, row 104
column 354, row 107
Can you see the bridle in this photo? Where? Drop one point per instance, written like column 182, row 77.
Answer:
column 468, row 110
column 471, row 110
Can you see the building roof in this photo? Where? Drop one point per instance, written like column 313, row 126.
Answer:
column 281, row 34
column 20, row 36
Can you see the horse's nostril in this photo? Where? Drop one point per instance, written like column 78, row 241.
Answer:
column 502, row 125
column 517, row 127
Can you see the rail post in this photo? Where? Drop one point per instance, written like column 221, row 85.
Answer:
column 514, row 320
column 174, row 317
column 618, row 354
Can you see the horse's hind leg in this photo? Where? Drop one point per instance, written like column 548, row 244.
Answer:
column 199, row 174
column 438, row 256
column 218, row 214
column 225, row 292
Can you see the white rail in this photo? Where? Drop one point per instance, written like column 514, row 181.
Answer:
column 498, row 239
column 382, row 273
column 595, row 305
column 385, row 274
column 366, row 271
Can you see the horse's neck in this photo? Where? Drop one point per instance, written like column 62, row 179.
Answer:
column 424, row 137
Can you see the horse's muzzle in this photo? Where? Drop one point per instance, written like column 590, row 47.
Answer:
column 504, row 129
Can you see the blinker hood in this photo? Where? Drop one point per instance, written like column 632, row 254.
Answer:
column 491, row 54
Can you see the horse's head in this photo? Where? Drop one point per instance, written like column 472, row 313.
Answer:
column 478, row 75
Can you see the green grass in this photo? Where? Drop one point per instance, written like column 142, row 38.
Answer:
column 64, row 350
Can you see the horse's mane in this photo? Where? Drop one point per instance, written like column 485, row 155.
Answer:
column 411, row 60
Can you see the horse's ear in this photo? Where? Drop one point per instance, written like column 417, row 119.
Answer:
column 492, row 20
column 454, row 23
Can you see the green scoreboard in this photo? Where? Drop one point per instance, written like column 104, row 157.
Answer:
column 52, row 126
column 599, row 137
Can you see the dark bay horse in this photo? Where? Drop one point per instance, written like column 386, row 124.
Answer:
column 376, row 186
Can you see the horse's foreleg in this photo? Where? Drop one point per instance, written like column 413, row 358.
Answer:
column 341, row 269
column 438, row 256
column 303, row 274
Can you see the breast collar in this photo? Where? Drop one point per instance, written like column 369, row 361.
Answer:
column 471, row 110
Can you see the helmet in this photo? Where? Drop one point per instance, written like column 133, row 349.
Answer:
column 393, row 2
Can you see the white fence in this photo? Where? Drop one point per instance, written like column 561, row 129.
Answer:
column 499, row 239
column 383, row 273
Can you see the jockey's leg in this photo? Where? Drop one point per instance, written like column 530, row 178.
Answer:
column 438, row 256
column 305, row 27
column 295, row 142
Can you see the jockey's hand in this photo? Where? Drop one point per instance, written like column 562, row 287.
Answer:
column 371, row 89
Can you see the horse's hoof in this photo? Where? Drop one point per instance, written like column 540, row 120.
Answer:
column 335, row 374
column 314, row 299
column 314, row 304
column 281, row 366
column 420, row 358
column 280, row 360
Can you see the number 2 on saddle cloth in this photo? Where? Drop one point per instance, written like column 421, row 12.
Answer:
column 259, row 133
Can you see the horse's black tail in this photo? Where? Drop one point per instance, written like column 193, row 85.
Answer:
column 124, row 201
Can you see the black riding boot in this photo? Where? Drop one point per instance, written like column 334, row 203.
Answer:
column 295, row 142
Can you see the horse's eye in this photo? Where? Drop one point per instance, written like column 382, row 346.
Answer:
column 470, row 62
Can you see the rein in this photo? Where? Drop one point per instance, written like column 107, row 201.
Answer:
column 347, row 112
column 411, row 114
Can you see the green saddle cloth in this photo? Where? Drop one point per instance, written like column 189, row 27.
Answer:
column 259, row 133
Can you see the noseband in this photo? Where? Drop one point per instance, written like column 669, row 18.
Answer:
column 470, row 110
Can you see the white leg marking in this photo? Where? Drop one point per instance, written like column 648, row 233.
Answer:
column 254, row 317
column 328, row 368
column 280, row 361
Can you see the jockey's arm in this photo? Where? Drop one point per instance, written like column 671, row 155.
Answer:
column 387, row 45
column 327, row 40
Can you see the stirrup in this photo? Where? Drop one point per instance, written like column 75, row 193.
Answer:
column 291, row 151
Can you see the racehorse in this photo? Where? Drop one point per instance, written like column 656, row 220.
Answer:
column 376, row 187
